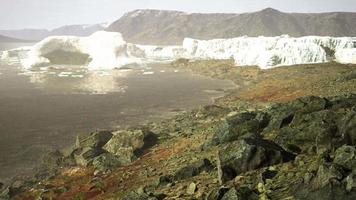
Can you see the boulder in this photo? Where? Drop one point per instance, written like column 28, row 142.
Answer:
column 138, row 195
column 52, row 160
column 351, row 181
column 283, row 114
column 216, row 193
column 95, row 140
column 124, row 144
column 193, row 169
column 249, row 154
column 191, row 188
column 238, row 124
column 106, row 161
column 237, row 193
column 347, row 127
column 345, row 156
column 328, row 174
column 86, row 155
column 318, row 128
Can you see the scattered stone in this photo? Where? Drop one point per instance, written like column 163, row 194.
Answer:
column 328, row 174
column 52, row 159
column 248, row 154
column 5, row 194
column 85, row 156
column 268, row 174
column 123, row 144
column 193, row 169
column 191, row 188
column 237, row 193
column 237, row 125
column 216, row 193
column 345, row 156
column 351, row 181
column 106, row 161
column 95, row 140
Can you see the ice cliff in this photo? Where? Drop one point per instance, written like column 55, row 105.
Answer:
column 107, row 50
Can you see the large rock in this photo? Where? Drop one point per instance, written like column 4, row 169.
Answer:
column 248, row 154
column 283, row 114
column 86, row 148
column 347, row 127
column 106, row 161
column 328, row 174
column 95, row 140
column 242, row 193
column 238, row 124
column 86, row 155
column 345, row 156
column 318, row 128
column 193, row 169
column 128, row 144
column 216, row 193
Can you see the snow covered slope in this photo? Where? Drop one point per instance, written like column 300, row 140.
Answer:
column 107, row 50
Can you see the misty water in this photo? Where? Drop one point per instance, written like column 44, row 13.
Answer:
column 45, row 110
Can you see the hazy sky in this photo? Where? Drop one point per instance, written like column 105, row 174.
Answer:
column 17, row 14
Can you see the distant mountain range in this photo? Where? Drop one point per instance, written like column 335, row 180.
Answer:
column 171, row 27
column 39, row 34
column 9, row 39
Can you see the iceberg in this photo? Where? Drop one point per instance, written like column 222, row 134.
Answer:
column 108, row 50
column 101, row 50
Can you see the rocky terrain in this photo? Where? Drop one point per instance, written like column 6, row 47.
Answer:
column 284, row 133
column 171, row 27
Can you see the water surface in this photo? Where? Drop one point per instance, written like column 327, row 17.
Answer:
column 45, row 109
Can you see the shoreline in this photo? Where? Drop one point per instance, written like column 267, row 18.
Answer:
column 182, row 130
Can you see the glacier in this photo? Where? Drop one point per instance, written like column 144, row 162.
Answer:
column 108, row 50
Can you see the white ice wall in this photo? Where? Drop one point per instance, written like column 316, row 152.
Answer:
column 108, row 50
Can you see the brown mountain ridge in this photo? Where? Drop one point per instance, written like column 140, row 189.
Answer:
column 171, row 27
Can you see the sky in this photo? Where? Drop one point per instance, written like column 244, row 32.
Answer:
column 49, row 14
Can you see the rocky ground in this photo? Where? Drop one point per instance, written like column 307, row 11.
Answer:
column 284, row 133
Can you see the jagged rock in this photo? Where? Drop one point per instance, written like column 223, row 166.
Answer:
column 318, row 128
column 106, row 161
column 123, row 144
column 216, row 193
column 345, row 156
column 52, row 159
column 328, row 174
column 86, row 155
column 193, row 169
column 5, row 194
column 268, row 174
column 342, row 101
column 351, row 181
column 237, row 193
column 329, row 192
column 191, row 188
column 138, row 195
column 283, row 114
column 236, row 125
column 248, row 154
column 164, row 180
column 95, row 140
column 211, row 111
column 347, row 127
column 87, row 147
